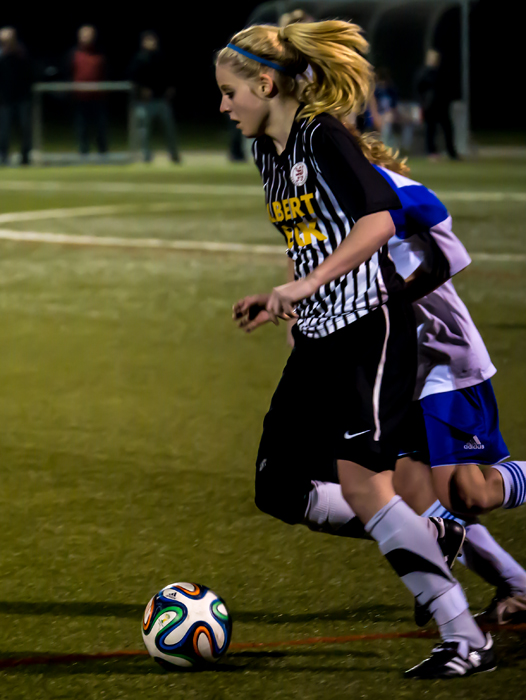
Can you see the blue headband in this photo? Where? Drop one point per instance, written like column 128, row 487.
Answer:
column 264, row 61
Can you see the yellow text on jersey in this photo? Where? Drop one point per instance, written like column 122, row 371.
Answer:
column 287, row 209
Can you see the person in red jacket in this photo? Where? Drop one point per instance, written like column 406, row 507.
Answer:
column 88, row 65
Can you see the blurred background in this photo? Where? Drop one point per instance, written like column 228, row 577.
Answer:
column 478, row 42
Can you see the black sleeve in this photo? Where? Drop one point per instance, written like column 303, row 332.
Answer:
column 358, row 187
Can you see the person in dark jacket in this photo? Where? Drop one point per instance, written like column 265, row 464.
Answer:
column 88, row 65
column 152, row 77
column 435, row 100
column 15, row 93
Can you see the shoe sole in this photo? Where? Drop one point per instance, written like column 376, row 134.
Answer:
column 450, row 678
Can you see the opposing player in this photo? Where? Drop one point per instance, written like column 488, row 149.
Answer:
column 452, row 358
column 351, row 373
column 454, row 369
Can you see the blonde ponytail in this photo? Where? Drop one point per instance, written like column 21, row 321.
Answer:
column 340, row 80
column 378, row 153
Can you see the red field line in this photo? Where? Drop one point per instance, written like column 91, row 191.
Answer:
column 240, row 646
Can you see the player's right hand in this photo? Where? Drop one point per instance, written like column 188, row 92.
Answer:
column 250, row 312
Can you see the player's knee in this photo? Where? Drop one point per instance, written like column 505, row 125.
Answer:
column 282, row 498
column 466, row 496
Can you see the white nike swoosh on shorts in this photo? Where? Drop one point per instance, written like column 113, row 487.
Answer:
column 349, row 437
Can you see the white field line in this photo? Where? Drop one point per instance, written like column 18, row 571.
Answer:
column 131, row 187
column 104, row 210
column 498, row 257
column 152, row 243
column 219, row 190
column 482, row 196
column 194, row 246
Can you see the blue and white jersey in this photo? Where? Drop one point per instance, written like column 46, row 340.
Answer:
column 451, row 352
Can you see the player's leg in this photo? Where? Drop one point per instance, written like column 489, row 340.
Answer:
column 480, row 552
column 484, row 556
column 468, row 489
column 447, row 129
column 328, row 512
column 101, row 126
column 409, row 544
column 6, row 112
column 412, row 481
column 365, row 467
column 467, row 452
column 289, row 455
column 82, row 119
column 170, row 132
column 24, row 112
column 147, row 114
column 430, row 121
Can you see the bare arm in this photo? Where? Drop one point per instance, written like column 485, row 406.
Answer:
column 369, row 234
column 421, row 283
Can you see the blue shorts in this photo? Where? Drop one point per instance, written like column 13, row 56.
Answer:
column 459, row 427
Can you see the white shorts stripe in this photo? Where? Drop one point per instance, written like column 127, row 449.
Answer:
column 379, row 376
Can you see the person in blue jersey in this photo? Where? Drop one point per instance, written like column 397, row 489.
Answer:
column 454, row 389
column 454, row 400
column 349, row 380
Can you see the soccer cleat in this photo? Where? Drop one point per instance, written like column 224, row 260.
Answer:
column 505, row 608
column 451, row 536
column 446, row 661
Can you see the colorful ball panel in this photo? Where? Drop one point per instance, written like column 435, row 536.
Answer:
column 186, row 625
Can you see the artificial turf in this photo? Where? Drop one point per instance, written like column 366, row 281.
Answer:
column 130, row 411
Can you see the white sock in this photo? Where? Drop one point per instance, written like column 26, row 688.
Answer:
column 514, row 478
column 437, row 510
column 409, row 544
column 327, row 510
column 483, row 555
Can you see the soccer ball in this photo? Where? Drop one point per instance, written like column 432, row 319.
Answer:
column 186, row 625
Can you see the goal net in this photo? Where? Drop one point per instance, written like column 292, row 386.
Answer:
column 83, row 122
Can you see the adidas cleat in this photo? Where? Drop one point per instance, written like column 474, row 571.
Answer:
column 446, row 661
column 505, row 608
column 451, row 536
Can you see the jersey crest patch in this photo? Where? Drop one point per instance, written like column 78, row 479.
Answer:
column 298, row 174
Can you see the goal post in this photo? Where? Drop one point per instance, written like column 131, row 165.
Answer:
column 43, row 152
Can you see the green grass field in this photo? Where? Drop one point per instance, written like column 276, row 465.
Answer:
column 130, row 412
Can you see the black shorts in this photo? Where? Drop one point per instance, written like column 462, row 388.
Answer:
column 343, row 396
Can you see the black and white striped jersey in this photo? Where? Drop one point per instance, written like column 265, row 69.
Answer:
column 316, row 190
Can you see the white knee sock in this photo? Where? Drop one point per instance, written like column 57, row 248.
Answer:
column 327, row 510
column 409, row 544
column 437, row 510
column 514, row 478
column 483, row 555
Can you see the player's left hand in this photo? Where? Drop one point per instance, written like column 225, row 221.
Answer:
column 283, row 299
column 250, row 313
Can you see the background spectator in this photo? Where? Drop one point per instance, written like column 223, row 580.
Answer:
column 435, row 99
column 88, row 65
column 153, row 77
column 386, row 96
column 15, row 93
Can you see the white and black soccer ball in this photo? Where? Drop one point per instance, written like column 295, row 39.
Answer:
column 186, row 625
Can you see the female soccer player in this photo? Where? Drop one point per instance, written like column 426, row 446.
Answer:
column 454, row 368
column 349, row 380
